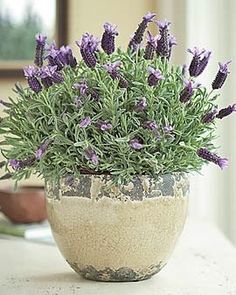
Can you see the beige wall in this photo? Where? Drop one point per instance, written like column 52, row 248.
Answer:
column 89, row 16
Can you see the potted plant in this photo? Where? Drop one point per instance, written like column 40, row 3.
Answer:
column 114, row 136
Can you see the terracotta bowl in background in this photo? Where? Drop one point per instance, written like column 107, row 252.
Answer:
column 26, row 205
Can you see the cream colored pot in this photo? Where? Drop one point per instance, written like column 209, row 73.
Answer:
column 117, row 233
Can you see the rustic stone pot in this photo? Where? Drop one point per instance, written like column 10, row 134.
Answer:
column 117, row 233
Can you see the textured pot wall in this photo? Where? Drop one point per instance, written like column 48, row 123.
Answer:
column 107, row 232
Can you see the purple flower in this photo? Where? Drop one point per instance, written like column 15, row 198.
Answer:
column 138, row 35
column 78, row 102
column 163, row 43
column 50, row 75
column 40, row 45
column 188, row 90
column 108, row 38
column 141, row 105
column 21, row 164
column 67, row 56
column 226, row 111
column 199, row 61
column 112, row 69
column 209, row 117
column 136, row 144
column 94, row 93
column 16, row 164
column 55, row 57
column 91, row 155
column 31, row 73
column 149, row 17
column 204, row 62
column 221, row 75
column 103, row 125
column 154, row 76
column 163, row 24
column 43, row 148
column 152, row 125
column 168, row 129
column 150, row 47
column 88, row 45
column 133, row 45
column 85, row 122
column 85, row 90
column 82, row 87
column 211, row 157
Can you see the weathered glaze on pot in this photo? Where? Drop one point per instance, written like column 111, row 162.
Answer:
column 117, row 233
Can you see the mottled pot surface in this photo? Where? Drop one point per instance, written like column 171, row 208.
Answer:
column 117, row 233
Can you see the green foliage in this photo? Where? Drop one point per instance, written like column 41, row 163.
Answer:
column 53, row 114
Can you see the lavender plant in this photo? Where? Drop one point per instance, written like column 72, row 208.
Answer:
column 113, row 112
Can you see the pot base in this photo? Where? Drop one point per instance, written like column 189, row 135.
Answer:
column 123, row 274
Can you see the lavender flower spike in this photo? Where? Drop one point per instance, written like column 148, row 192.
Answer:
column 40, row 45
column 67, row 57
column 78, row 102
column 209, row 117
column 150, row 47
column 138, row 35
column 91, row 155
column 188, row 90
column 85, row 122
column 163, row 44
column 103, row 125
column 199, row 61
column 168, row 129
column 152, row 125
column 154, row 76
column 141, row 105
column 136, row 144
column 82, row 87
column 108, row 38
column 88, row 45
column 226, row 112
column 55, row 57
column 31, row 73
column 204, row 62
column 112, row 69
column 43, row 148
column 51, row 73
column 21, row 164
column 221, row 75
column 211, row 157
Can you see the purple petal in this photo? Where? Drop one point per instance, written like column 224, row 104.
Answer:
column 135, row 144
column 149, row 16
column 111, row 29
column 40, row 39
column 91, row 155
column 85, row 122
column 163, row 24
column 224, row 67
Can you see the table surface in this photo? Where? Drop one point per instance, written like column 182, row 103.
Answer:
column 203, row 263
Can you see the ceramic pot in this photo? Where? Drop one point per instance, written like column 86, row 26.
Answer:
column 117, row 233
column 26, row 205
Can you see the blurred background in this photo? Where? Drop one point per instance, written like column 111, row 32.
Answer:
column 203, row 23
